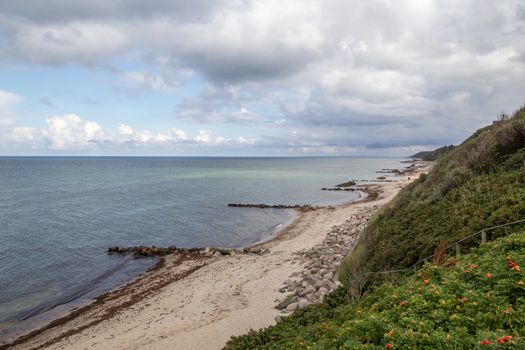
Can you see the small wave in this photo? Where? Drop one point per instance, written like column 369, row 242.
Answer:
column 278, row 226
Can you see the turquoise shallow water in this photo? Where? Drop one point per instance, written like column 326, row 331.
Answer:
column 59, row 215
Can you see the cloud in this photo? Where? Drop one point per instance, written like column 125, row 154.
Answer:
column 7, row 101
column 78, row 42
column 71, row 133
column 338, row 73
column 135, row 82
column 223, row 103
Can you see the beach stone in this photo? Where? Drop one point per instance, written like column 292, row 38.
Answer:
column 308, row 290
column 322, row 291
column 217, row 254
column 316, row 263
column 278, row 318
column 314, row 278
column 329, row 276
column 302, row 303
column 284, row 304
column 312, row 298
column 291, row 307
column 327, row 284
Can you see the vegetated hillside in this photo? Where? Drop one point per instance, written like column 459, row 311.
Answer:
column 433, row 155
column 478, row 184
column 477, row 302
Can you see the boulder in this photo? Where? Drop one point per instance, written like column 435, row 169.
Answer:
column 307, row 291
column 302, row 303
column 291, row 307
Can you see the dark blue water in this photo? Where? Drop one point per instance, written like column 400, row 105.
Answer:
column 59, row 215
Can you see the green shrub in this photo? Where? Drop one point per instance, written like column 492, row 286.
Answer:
column 458, row 307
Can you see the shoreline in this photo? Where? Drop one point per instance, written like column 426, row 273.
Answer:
column 78, row 306
column 136, row 303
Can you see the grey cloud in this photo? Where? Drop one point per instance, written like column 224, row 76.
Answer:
column 342, row 73
column 51, row 11
column 225, row 103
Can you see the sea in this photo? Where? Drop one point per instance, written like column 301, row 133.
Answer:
column 58, row 216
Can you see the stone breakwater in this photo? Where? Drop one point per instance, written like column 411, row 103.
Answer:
column 319, row 275
column 150, row 251
column 303, row 208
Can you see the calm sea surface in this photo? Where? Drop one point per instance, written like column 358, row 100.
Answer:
column 58, row 215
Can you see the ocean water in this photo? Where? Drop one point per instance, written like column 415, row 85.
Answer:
column 58, row 215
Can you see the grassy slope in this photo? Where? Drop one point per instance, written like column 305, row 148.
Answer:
column 455, row 307
column 479, row 184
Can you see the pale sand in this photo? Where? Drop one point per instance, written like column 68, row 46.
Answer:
column 225, row 296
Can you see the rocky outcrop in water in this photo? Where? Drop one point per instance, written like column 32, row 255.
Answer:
column 304, row 207
column 338, row 189
column 143, row 250
column 346, row 184
column 150, row 251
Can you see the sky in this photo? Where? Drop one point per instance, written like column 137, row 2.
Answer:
column 255, row 78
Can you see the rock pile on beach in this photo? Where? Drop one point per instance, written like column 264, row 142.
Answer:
column 319, row 275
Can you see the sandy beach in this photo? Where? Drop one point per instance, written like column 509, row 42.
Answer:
column 199, row 302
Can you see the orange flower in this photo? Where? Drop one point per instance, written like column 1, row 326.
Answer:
column 473, row 266
column 507, row 311
column 403, row 303
column 504, row 339
column 425, row 282
column 389, row 346
column 516, row 268
column 488, row 275
column 485, row 342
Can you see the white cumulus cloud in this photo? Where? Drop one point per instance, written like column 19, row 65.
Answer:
column 70, row 132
